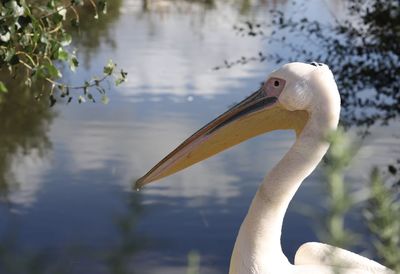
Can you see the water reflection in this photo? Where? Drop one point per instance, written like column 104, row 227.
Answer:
column 242, row 7
column 109, row 251
column 24, row 143
column 135, row 146
column 179, row 65
column 93, row 32
column 120, row 257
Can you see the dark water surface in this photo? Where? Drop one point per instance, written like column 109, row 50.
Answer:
column 67, row 172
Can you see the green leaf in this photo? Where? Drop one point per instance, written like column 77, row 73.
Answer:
column 109, row 68
column 122, row 78
column 66, row 39
column 10, row 53
column 17, row 9
column 62, row 54
column 52, row 71
column 73, row 63
column 51, row 4
column 81, row 99
column 105, row 99
column 3, row 88
column 44, row 39
column 119, row 81
column 103, row 6
column 57, row 18
column 5, row 37
column 26, row 41
column 62, row 11
column 90, row 97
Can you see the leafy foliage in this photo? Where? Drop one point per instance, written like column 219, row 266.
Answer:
column 381, row 207
column 383, row 218
column 340, row 200
column 34, row 42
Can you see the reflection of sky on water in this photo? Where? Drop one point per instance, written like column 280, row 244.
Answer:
column 28, row 170
column 74, row 195
column 184, row 65
column 136, row 145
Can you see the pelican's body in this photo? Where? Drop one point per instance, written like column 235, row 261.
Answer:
column 298, row 96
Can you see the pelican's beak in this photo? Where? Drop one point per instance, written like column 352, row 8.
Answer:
column 257, row 114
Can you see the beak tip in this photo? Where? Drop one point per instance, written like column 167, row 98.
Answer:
column 140, row 183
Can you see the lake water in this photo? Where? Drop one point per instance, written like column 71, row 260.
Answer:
column 70, row 206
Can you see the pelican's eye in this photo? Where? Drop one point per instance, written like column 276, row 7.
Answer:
column 273, row 87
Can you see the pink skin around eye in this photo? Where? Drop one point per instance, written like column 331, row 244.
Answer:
column 271, row 89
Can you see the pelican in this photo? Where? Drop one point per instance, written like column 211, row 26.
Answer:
column 298, row 96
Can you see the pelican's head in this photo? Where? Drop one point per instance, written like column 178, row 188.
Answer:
column 285, row 101
column 306, row 86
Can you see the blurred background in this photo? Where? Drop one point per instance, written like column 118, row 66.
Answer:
column 67, row 203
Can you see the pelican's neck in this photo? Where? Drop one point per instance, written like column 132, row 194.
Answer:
column 282, row 182
column 258, row 244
